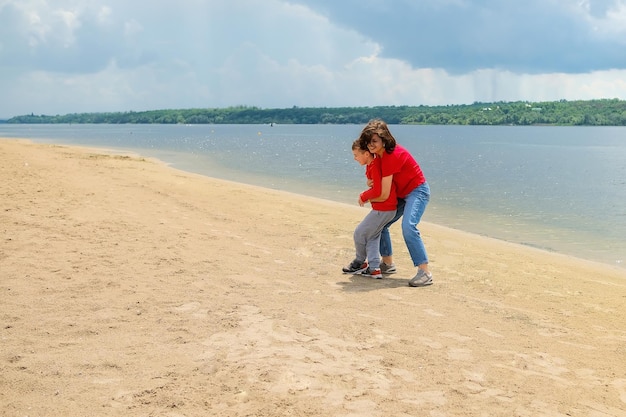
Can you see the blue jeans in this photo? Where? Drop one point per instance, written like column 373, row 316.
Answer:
column 411, row 208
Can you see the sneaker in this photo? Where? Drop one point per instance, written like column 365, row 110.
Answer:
column 355, row 267
column 374, row 273
column 421, row 279
column 387, row 269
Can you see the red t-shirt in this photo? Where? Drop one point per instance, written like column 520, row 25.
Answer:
column 373, row 171
column 407, row 174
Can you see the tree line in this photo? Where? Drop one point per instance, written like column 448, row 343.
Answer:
column 603, row 112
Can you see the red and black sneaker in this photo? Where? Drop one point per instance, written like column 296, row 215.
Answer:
column 355, row 267
column 374, row 273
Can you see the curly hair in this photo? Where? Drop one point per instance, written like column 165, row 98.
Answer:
column 380, row 128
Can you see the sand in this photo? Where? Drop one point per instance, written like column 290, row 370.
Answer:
column 129, row 288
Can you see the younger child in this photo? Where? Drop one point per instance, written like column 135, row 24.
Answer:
column 367, row 233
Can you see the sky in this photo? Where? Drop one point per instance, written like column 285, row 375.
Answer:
column 76, row 56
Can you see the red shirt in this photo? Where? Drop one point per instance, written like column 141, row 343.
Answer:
column 407, row 174
column 373, row 171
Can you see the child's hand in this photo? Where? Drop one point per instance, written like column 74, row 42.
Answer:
column 361, row 202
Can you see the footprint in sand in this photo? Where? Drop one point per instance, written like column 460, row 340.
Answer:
column 620, row 386
column 428, row 397
column 490, row 333
column 431, row 343
column 455, row 336
column 460, row 354
column 433, row 313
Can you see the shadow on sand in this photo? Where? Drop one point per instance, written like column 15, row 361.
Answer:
column 361, row 283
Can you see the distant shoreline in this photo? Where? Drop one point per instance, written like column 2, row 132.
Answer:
column 601, row 112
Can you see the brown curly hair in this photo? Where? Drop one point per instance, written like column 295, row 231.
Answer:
column 380, row 128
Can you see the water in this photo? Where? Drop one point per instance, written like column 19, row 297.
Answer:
column 561, row 189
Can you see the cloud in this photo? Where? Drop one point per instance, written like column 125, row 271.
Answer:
column 66, row 56
column 532, row 36
column 60, row 39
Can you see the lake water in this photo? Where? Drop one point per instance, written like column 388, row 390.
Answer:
column 561, row 189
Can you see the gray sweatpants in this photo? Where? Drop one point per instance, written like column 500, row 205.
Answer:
column 367, row 236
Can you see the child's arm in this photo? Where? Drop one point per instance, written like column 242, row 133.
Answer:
column 380, row 188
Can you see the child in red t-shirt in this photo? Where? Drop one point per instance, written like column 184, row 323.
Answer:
column 367, row 233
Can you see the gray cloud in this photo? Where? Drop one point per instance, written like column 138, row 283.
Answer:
column 533, row 36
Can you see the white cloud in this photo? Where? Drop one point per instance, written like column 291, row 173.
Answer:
column 614, row 23
column 67, row 56
column 606, row 18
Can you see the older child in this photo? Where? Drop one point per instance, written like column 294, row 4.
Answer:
column 367, row 233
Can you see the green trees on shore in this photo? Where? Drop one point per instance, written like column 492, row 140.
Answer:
column 605, row 112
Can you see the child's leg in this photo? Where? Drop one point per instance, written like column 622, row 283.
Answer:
column 369, row 232
column 360, row 241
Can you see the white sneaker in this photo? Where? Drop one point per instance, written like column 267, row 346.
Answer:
column 421, row 279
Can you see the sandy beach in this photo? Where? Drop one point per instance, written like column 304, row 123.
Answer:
column 129, row 288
